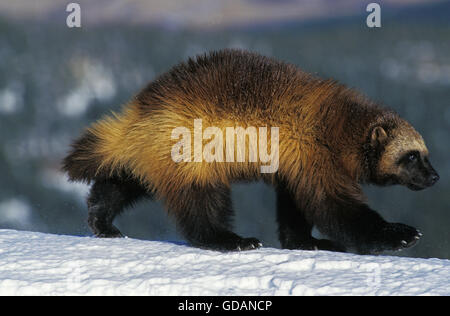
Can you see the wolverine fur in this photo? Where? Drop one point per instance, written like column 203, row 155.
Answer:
column 332, row 139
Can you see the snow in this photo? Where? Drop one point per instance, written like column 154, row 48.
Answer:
column 43, row 264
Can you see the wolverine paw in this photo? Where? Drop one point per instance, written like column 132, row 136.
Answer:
column 242, row 244
column 230, row 242
column 110, row 232
column 397, row 236
column 248, row 244
column 401, row 236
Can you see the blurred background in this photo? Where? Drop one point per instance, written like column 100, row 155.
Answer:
column 55, row 80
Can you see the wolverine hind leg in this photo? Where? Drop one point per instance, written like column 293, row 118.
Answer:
column 108, row 198
column 203, row 214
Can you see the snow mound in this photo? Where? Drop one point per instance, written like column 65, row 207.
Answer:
column 43, row 264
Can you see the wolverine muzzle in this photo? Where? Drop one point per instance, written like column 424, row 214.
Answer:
column 423, row 177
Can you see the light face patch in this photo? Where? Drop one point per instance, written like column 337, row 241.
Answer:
column 404, row 139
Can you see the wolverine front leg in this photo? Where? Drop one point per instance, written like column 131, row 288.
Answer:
column 353, row 224
column 203, row 215
column 293, row 228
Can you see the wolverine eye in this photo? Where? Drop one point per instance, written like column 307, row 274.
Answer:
column 412, row 157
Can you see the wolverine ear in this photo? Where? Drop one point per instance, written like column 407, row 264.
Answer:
column 378, row 137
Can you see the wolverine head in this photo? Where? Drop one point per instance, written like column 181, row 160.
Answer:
column 402, row 157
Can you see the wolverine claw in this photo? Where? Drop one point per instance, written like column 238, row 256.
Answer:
column 249, row 244
column 110, row 232
column 231, row 242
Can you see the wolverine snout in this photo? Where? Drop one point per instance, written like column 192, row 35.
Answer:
column 433, row 178
column 431, row 175
column 424, row 178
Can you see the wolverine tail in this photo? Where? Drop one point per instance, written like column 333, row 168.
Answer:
column 101, row 152
column 82, row 164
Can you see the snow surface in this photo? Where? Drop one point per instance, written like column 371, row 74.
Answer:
column 42, row 264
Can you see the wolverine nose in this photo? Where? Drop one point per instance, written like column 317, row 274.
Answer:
column 434, row 178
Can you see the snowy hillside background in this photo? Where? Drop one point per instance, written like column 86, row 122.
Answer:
column 55, row 80
column 42, row 264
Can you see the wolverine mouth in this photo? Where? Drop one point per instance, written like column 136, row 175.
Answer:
column 419, row 185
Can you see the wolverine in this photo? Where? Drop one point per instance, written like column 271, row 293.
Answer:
column 332, row 139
